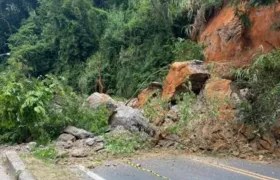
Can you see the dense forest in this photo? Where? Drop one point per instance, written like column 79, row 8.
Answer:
column 85, row 41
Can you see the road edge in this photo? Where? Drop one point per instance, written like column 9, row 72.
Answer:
column 89, row 173
column 17, row 167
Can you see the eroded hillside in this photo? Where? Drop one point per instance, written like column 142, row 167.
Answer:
column 228, row 40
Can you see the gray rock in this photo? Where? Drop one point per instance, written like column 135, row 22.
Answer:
column 90, row 141
column 62, row 154
column 119, row 129
column 78, row 133
column 97, row 99
column 64, row 145
column 173, row 115
column 30, row 146
column 99, row 139
column 175, row 108
column 131, row 119
column 80, row 143
column 79, row 153
column 99, row 147
column 68, row 144
column 66, row 137
column 244, row 92
column 165, row 143
column 113, row 105
column 95, row 140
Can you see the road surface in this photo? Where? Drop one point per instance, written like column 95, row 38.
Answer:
column 186, row 168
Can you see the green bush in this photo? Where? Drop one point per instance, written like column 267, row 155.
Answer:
column 156, row 108
column 59, row 40
column 263, row 80
column 188, row 50
column 23, row 108
column 39, row 109
column 191, row 115
column 47, row 154
column 124, row 142
column 186, row 111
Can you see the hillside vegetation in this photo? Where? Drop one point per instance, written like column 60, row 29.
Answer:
column 63, row 50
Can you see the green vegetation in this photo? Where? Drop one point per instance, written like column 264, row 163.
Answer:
column 187, row 113
column 124, row 142
column 83, row 41
column 47, row 154
column 262, row 108
column 156, row 108
column 63, row 50
column 187, row 49
column 191, row 115
column 243, row 13
column 12, row 12
column 40, row 108
column 252, row 3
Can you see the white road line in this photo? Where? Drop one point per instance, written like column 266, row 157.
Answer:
column 90, row 173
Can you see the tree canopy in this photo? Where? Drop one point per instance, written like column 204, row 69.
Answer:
column 121, row 42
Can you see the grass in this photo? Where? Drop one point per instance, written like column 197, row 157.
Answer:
column 47, row 154
column 48, row 171
column 155, row 108
column 124, row 142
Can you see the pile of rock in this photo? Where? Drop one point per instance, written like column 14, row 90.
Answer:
column 131, row 119
column 79, row 142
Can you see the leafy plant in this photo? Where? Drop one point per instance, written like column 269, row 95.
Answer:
column 23, row 107
column 190, row 115
column 40, row 109
column 56, row 40
column 47, row 154
column 156, row 108
column 245, row 20
column 124, row 142
column 252, row 3
column 263, row 80
column 188, row 50
column 186, row 111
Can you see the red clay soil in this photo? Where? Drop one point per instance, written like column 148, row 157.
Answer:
column 144, row 97
column 178, row 74
column 228, row 41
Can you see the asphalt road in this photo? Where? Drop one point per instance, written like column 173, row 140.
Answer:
column 187, row 168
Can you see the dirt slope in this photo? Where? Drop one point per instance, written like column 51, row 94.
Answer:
column 227, row 40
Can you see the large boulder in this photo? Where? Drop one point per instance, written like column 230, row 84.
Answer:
column 79, row 153
column 66, row 137
column 194, row 71
column 131, row 119
column 97, row 99
column 78, row 133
